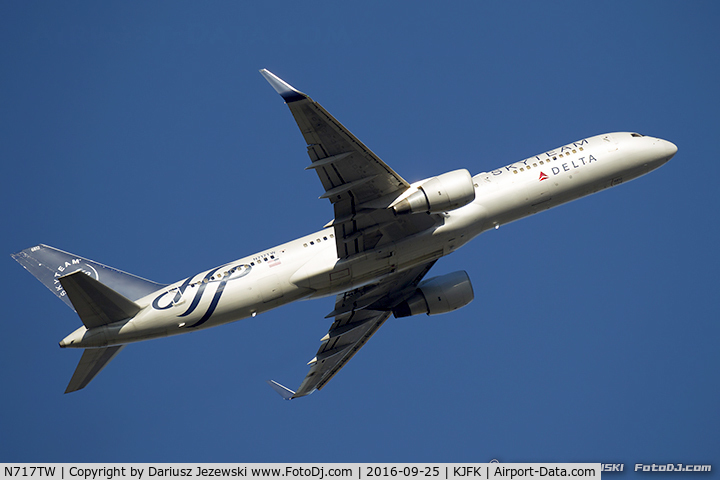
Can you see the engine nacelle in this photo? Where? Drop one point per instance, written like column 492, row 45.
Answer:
column 442, row 193
column 438, row 295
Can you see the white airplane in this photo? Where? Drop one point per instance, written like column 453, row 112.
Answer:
column 385, row 237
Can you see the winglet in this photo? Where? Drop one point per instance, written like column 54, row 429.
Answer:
column 284, row 392
column 286, row 91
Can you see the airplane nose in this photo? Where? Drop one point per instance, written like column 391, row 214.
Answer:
column 669, row 148
column 664, row 151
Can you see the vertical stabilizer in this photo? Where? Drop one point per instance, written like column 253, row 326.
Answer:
column 48, row 264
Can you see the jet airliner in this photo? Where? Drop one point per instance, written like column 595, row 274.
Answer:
column 373, row 256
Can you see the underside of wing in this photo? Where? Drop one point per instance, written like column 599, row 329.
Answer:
column 360, row 185
column 340, row 345
column 358, row 315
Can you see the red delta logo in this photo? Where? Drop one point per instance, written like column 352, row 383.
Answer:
column 543, row 176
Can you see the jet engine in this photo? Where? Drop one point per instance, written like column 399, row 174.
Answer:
column 438, row 194
column 438, row 295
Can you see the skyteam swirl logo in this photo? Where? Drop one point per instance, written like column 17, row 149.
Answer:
column 72, row 266
column 216, row 277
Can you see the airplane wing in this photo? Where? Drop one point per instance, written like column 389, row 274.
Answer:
column 360, row 185
column 358, row 315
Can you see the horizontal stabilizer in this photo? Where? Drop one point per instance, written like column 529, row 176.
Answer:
column 95, row 303
column 284, row 392
column 93, row 360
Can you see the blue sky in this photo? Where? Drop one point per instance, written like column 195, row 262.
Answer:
column 141, row 135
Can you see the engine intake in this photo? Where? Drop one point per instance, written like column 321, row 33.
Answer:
column 442, row 193
column 438, row 295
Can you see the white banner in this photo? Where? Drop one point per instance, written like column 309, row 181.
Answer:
column 307, row 471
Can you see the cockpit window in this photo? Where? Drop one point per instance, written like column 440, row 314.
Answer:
column 636, row 135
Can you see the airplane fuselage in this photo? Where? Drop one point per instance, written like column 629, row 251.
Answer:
column 309, row 266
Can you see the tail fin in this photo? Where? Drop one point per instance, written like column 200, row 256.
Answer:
column 93, row 360
column 99, row 294
column 48, row 264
